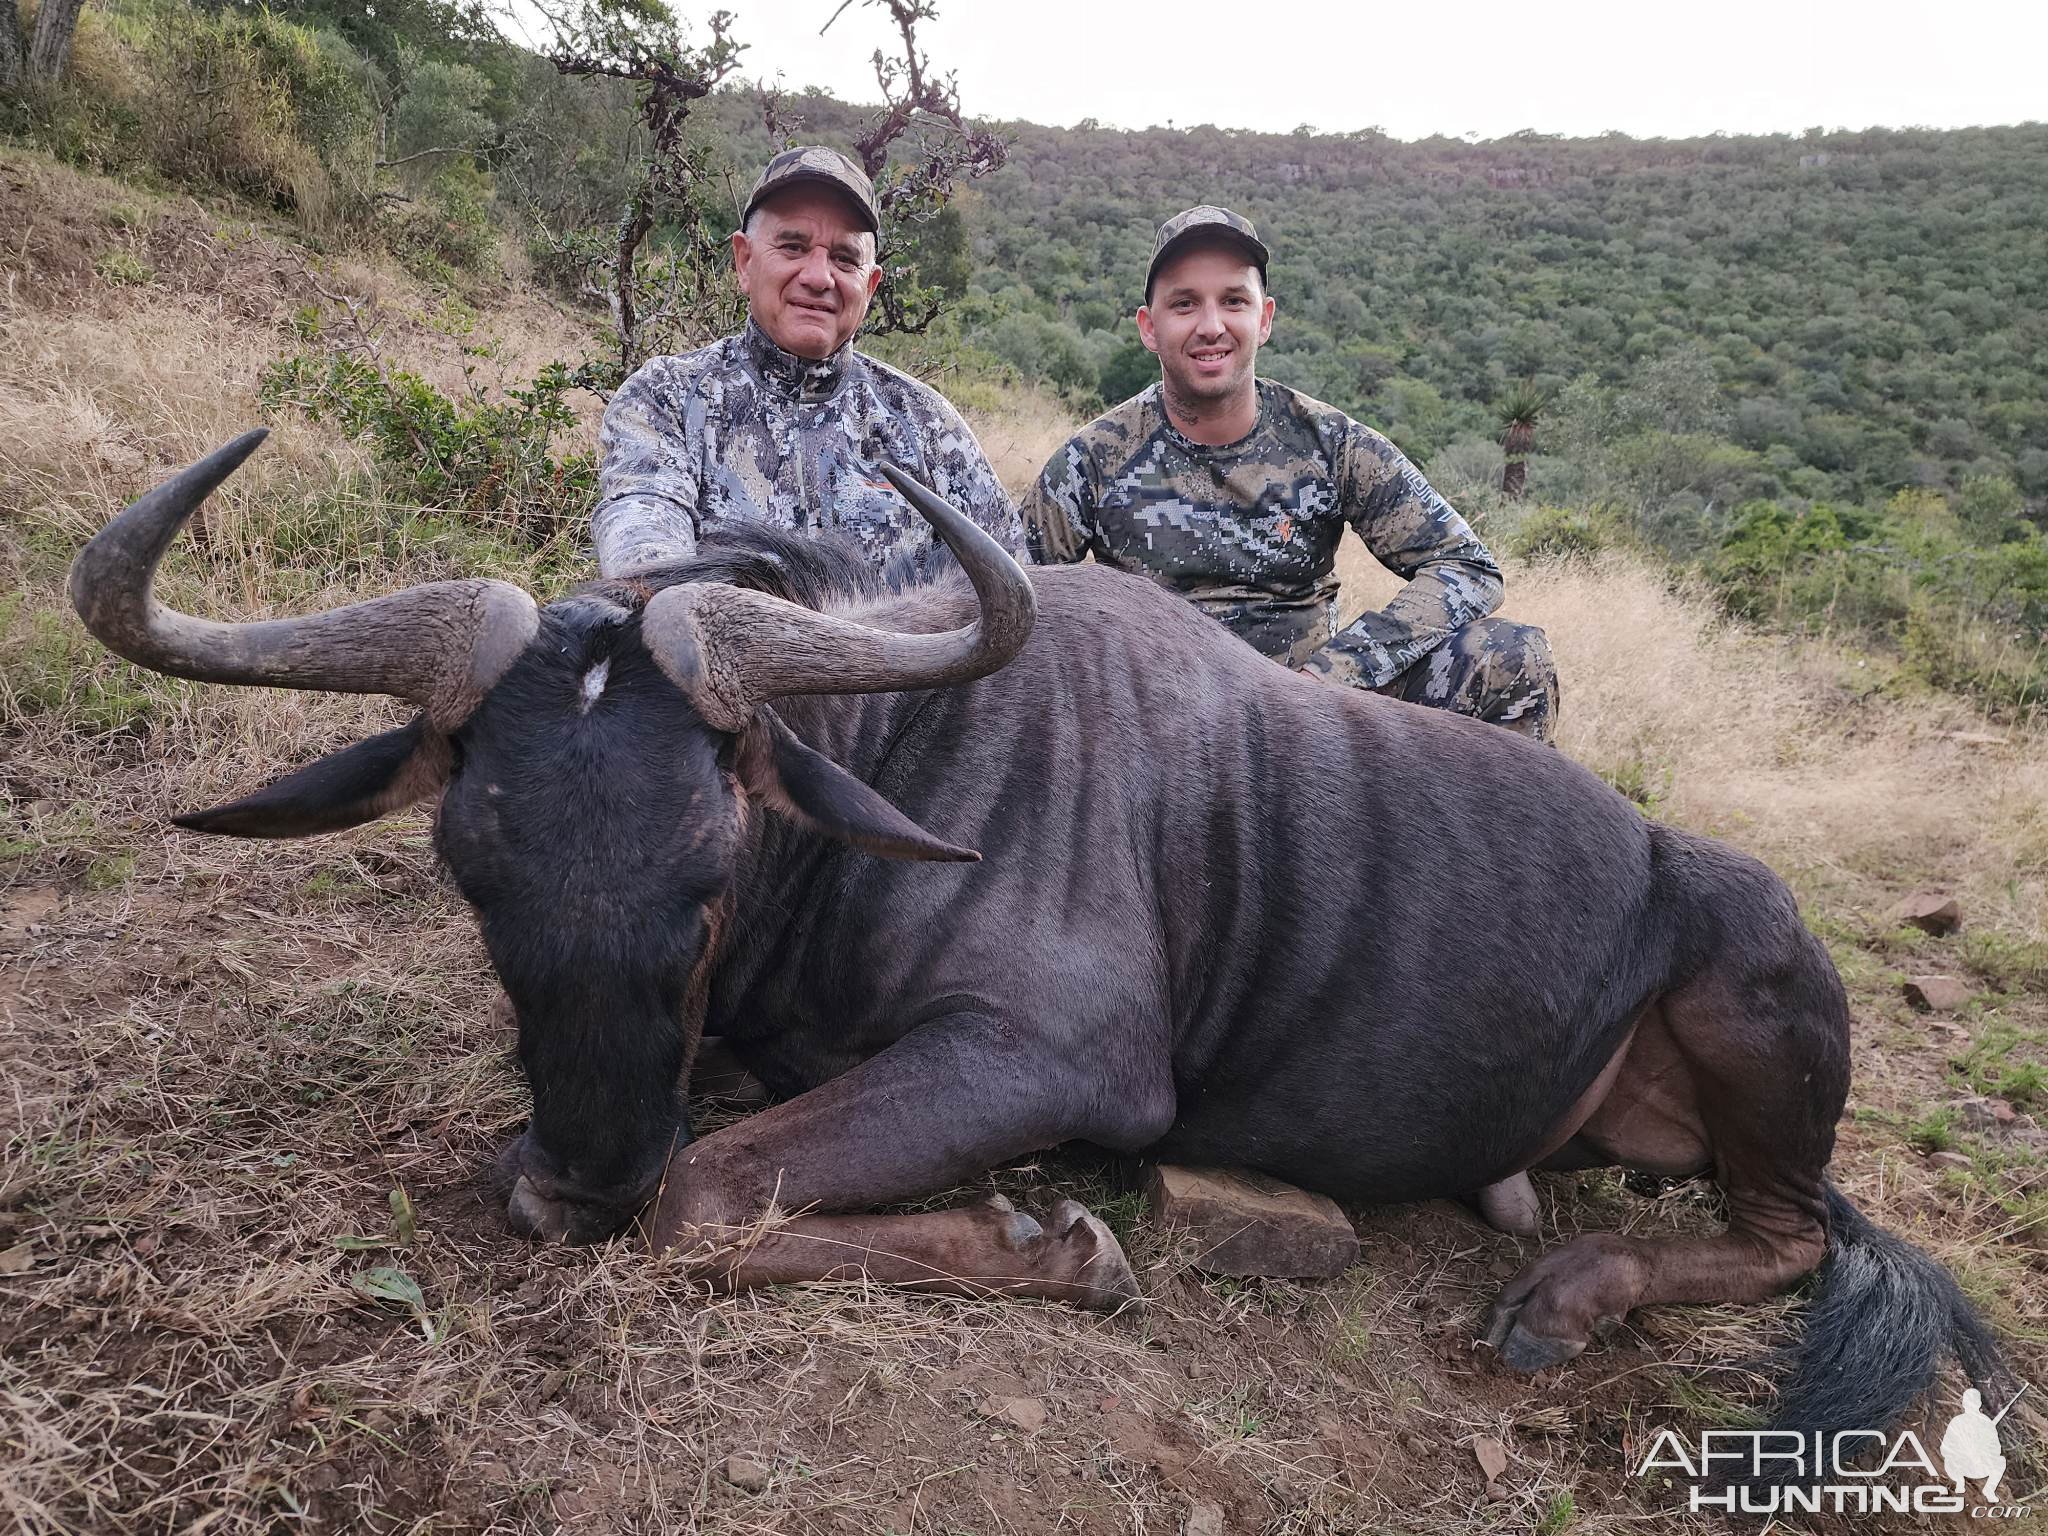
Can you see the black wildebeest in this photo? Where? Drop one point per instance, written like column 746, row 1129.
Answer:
column 1221, row 914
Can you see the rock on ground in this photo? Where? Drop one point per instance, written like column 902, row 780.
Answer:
column 1025, row 1413
column 1930, row 912
column 1937, row 994
column 1244, row 1223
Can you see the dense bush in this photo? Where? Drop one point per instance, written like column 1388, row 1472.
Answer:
column 1864, row 310
column 1962, row 615
column 491, row 459
column 447, row 227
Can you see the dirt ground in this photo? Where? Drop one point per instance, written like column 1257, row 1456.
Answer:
column 252, row 1276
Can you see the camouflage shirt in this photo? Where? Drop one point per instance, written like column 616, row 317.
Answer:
column 744, row 430
column 1248, row 531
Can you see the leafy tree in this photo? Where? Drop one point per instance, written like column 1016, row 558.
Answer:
column 677, row 294
column 1130, row 368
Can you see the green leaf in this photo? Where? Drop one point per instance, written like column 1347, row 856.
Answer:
column 404, row 1221
column 387, row 1283
column 350, row 1243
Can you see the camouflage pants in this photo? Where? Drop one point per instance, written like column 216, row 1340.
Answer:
column 1491, row 669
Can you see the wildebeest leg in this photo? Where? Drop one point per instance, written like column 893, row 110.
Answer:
column 1742, row 1069
column 978, row 1250
column 942, row 1105
column 1553, row 1309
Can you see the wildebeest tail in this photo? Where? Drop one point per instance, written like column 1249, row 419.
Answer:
column 1882, row 1317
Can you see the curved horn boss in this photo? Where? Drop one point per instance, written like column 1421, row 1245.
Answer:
column 730, row 649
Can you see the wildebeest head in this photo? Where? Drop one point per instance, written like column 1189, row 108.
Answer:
column 595, row 759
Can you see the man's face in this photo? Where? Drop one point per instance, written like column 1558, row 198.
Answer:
column 1206, row 320
column 807, row 269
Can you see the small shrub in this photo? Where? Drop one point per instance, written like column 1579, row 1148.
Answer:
column 1553, row 533
column 1559, row 1515
column 1933, row 1131
column 108, row 873
column 122, row 268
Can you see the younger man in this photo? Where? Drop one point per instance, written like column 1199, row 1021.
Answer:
column 1233, row 491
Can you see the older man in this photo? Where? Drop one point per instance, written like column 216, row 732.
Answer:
column 1233, row 491
column 785, row 423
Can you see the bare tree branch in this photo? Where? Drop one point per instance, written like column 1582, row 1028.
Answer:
column 421, row 154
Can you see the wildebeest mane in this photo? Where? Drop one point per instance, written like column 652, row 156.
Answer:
column 817, row 570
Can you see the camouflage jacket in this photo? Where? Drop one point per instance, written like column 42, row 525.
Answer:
column 744, row 430
column 1248, row 531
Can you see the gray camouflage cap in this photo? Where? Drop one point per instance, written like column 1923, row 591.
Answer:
column 1205, row 222
column 828, row 167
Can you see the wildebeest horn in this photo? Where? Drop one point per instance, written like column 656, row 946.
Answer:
column 730, row 649
column 440, row 645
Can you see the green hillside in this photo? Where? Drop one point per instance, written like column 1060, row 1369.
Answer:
column 1873, row 307
column 1812, row 369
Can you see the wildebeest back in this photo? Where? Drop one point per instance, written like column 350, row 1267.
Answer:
column 1278, row 884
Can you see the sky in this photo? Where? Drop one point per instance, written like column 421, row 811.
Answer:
column 1457, row 67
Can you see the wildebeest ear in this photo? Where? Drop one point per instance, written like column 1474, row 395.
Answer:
column 808, row 786
column 343, row 789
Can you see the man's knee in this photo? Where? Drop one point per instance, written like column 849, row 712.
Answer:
column 1519, row 678
column 1493, row 670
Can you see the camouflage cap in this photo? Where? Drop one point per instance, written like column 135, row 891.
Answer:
column 815, row 163
column 1207, row 222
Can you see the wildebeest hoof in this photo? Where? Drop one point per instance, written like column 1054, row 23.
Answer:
column 1527, row 1352
column 1066, row 1214
column 1105, row 1281
column 1548, row 1312
column 1020, row 1231
column 533, row 1215
column 998, row 1202
column 1511, row 1206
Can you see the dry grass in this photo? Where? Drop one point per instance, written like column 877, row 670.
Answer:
column 1019, row 431
column 222, row 1059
